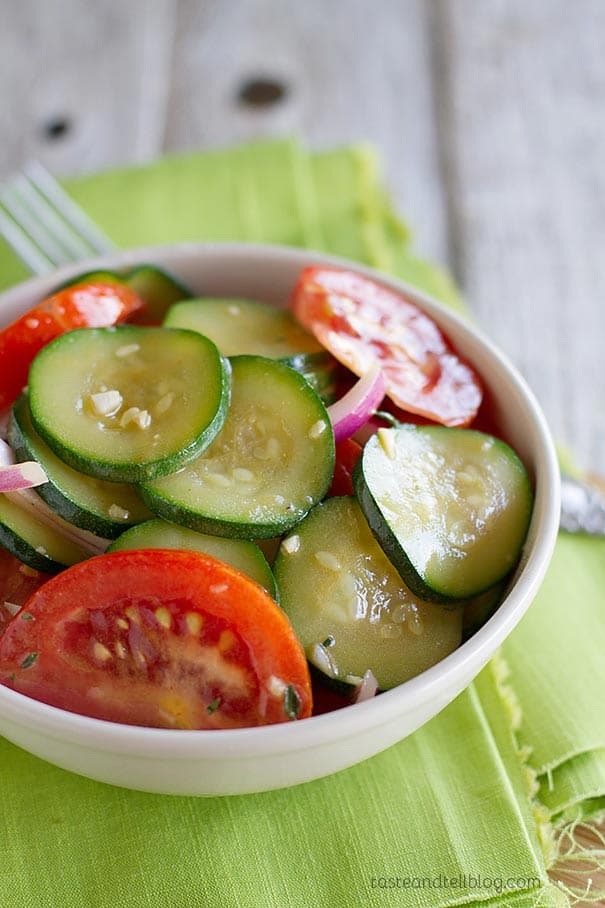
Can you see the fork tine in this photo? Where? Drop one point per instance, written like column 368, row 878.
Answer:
column 48, row 217
column 48, row 187
column 30, row 223
column 35, row 260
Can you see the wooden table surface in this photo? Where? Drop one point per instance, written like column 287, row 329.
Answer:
column 489, row 115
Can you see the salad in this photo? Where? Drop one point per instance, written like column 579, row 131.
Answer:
column 218, row 514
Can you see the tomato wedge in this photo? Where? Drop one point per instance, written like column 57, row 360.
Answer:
column 17, row 583
column 362, row 322
column 159, row 638
column 348, row 453
column 90, row 305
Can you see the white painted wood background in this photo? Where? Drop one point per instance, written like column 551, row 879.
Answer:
column 489, row 114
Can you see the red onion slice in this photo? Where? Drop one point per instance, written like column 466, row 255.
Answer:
column 355, row 408
column 30, row 501
column 21, row 476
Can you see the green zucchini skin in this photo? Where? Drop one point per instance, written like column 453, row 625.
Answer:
column 61, row 491
column 241, row 554
column 481, row 608
column 34, row 544
column 467, row 584
column 190, row 364
column 284, row 485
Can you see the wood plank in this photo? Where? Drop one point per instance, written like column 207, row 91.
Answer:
column 101, row 68
column 520, row 89
column 350, row 76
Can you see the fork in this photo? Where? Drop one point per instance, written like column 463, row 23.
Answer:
column 43, row 225
column 47, row 229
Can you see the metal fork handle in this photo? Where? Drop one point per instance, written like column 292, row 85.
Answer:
column 582, row 507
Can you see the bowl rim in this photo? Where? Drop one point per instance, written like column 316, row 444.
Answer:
column 343, row 723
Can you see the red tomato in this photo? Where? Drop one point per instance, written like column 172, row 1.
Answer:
column 95, row 305
column 361, row 322
column 347, row 455
column 159, row 638
column 17, row 583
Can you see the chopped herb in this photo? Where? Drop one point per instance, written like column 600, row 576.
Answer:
column 29, row 660
column 212, row 707
column 26, row 616
column 329, row 641
column 12, row 677
column 292, row 704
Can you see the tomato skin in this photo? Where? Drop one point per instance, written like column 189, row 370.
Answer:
column 362, row 323
column 156, row 638
column 90, row 305
column 347, row 455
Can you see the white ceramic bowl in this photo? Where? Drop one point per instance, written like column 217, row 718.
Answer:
column 258, row 759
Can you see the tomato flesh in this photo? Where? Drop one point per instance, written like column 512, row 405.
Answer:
column 347, row 455
column 363, row 323
column 158, row 638
column 17, row 583
column 91, row 305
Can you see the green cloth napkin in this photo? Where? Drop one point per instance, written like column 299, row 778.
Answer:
column 461, row 812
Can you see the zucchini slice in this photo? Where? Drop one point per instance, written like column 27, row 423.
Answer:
column 336, row 582
column 35, row 543
column 104, row 508
column 127, row 404
column 158, row 290
column 272, row 461
column 239, row 553
column 450, row 507
column 478, row 610
column 239, row 326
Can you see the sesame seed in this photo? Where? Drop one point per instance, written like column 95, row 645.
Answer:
column 327, row 560
column 141, row 418
column 218, row 588
column 32, row 323
column 41, row 550
column 291, row 545
column 276, row 686
column 317, row 429
column 387, row 442
column 11, row 608
column 122, row 624
column 106, row 403
column 27, row 571
column 127, row 349
column 243, row 475
column 133, row 614
column 164, row 403
column 233, row 310
column 273, row 448
column 415, row 623
column 120, row 650
column 118, row 513
column 218, row 479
